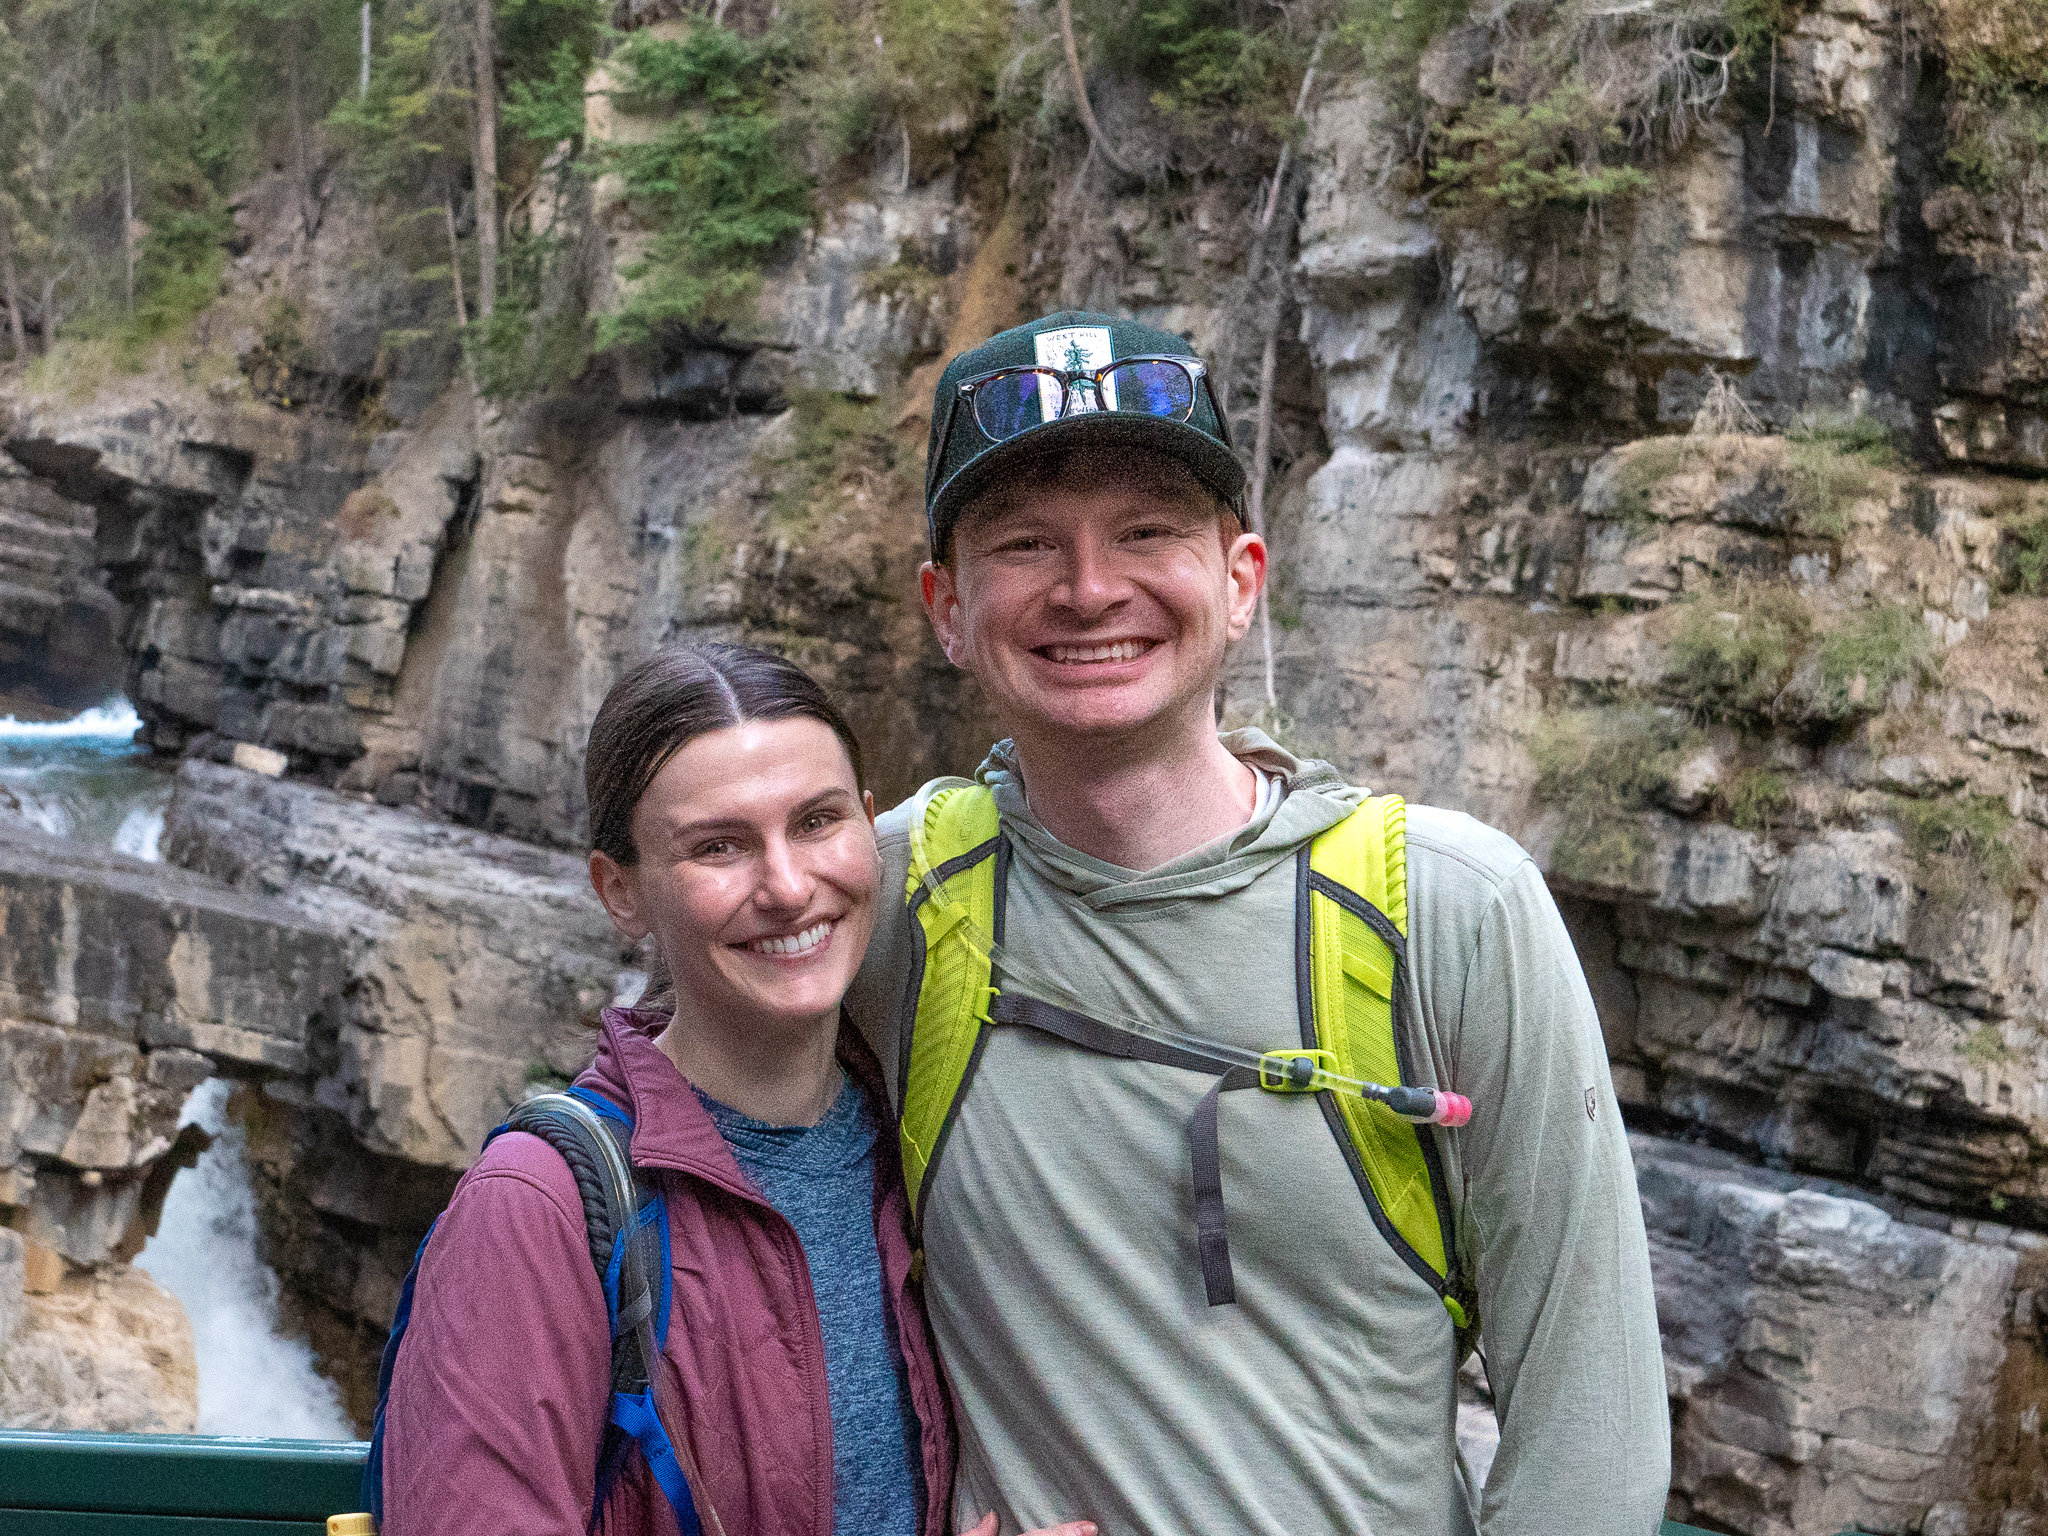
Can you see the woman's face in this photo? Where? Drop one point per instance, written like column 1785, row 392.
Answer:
column 757, row 874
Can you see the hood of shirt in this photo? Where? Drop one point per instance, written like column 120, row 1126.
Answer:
column 1316, row 799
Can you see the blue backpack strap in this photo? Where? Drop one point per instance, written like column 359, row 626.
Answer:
column 631, row 1252
column 372, row 1495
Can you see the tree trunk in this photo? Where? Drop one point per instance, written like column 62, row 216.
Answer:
column 363, row 79
column 13, row 293
column 49, row 313
column 1262, row 452
column 486, row 165
column 454, row 257
column 127, row 207
column 128, row 217
column 301, row 172
column 1095, row 134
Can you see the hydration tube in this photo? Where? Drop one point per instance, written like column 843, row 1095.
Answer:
column 1294, row 1069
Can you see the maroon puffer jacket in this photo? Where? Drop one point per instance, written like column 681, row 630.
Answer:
column 503, row 1381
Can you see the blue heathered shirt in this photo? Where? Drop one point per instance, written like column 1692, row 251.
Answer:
column 822, row 1178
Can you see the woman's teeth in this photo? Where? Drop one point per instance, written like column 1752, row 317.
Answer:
column 795, row 944
column 1121, row 650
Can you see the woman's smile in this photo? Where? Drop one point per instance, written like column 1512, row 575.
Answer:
column 805, row 944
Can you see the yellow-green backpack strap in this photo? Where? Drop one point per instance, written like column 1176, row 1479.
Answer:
column 953, row 896
column 1352, row 945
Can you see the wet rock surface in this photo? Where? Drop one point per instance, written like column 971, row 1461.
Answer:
column 102, row 1351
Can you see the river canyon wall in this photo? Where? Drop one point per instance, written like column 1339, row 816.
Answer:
column 1695, row 539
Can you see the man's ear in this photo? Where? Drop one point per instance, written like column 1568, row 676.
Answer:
column 619, row 889
column 942, row 605
column 1244, row 569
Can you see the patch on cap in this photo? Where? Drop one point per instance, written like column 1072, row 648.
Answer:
column 1075, row 349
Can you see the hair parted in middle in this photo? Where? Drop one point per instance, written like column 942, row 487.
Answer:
column 670, row 698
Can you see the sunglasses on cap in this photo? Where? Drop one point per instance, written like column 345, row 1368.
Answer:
column 1009, row 401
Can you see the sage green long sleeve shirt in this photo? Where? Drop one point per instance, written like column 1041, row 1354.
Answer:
column 1062, row 1274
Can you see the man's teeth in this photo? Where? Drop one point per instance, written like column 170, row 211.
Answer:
column 1121, row 650
column 795, row 944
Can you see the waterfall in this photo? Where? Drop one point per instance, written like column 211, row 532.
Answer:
column 86, row 779
column 252, row 1379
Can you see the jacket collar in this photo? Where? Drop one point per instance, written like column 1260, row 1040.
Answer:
column 671, row 1128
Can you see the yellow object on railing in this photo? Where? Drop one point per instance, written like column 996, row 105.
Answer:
column 352, row 1525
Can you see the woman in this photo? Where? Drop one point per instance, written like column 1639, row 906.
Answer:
column 729, row 825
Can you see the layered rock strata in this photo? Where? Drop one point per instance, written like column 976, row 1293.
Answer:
column 59, row 626
column 1765, row 703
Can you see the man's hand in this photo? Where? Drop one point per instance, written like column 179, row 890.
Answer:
column 987, row 1527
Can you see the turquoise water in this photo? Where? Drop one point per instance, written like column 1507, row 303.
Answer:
column 85, row 778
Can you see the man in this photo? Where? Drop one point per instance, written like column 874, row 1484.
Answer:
column 1180, row 1318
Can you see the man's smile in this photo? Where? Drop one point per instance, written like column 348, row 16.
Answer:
column 1095, row 653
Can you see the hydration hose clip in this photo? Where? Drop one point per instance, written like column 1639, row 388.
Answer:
column 1293, row 1069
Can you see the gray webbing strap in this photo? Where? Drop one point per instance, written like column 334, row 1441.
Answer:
column 1205, row 1156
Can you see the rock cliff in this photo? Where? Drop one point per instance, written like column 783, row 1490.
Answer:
column 1690, row 537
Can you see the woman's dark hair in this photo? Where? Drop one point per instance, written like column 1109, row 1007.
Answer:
column 668, row 700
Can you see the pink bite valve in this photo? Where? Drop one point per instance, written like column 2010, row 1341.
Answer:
column 1451, row 1108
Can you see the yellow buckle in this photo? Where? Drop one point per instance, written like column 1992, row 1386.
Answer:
column 1294, row 1070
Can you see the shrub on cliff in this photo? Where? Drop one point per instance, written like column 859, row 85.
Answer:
column 1961, row 845
column 1567, row 102
column 1601, row 768
column 1555, row 149
column 1831, row 467
column 718, row 185
column 2022, row 543
column 1867, row 661
column 1754, row 654
column 1734, row 652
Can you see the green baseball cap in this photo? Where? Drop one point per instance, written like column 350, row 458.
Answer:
column 965, row 461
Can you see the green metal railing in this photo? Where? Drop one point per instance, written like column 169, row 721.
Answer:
column 173, row 1485
column 57, row 1484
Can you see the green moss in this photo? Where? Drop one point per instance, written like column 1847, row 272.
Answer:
column 1754, row 798
column 839, row 450
column 1645, row 467
column 1986, row 1048
column 1601, row 768
column 1832, row 467
column 1996, row 52
column 1962, row 846
column 1865, row 657
column 1735, row 650
column 2022, row 545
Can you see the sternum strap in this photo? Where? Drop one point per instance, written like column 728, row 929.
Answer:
column 1205, row 1158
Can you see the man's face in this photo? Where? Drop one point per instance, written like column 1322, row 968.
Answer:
column 1096, row 611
